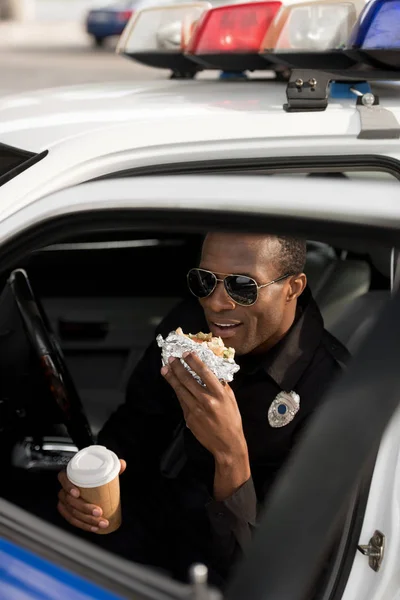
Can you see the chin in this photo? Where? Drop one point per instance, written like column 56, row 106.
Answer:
column 240, row 350
column 242, row 347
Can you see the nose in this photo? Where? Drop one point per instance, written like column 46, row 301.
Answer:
column 219, row 300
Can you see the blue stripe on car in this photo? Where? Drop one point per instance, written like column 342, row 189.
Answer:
column 26, row 576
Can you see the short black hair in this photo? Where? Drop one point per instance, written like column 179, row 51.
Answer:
column 292, row 255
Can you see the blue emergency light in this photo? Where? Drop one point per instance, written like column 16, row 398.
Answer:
column 378, row 26
column 375, row 39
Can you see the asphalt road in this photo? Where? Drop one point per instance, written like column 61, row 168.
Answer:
column 29, row 68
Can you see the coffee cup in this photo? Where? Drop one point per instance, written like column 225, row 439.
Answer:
column 95, row 472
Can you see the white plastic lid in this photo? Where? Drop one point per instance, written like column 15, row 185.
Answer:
column 93, row 466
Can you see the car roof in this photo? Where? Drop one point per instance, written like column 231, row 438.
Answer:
column 99, row 129
column 39, row 120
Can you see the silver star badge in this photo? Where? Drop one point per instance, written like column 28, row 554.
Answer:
column 283, row 409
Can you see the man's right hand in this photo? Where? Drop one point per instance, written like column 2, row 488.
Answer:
column 76, row 511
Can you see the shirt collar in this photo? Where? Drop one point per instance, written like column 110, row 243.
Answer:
column 287, row 361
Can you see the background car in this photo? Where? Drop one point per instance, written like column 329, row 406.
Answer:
column 109, row 20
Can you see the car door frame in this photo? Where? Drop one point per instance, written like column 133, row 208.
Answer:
column 172, row 208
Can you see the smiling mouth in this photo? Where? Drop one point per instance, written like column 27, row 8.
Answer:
column 224, row 330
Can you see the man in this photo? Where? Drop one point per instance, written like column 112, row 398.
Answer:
column 199, row 459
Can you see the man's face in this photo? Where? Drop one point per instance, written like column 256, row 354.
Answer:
column 257, row 257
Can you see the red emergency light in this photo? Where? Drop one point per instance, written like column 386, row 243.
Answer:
column 230, row 37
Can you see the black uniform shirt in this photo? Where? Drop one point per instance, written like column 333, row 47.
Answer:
column 169, row 479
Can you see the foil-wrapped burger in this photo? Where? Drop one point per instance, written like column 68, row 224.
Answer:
column 211, row 350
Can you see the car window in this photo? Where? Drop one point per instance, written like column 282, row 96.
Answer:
column 104, row 294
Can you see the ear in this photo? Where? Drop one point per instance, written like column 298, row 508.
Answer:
column 297, row 284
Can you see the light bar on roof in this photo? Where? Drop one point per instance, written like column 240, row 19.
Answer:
column 230, row 37
column 156, row 36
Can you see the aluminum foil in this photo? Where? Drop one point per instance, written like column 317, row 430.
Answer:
column 176, row 345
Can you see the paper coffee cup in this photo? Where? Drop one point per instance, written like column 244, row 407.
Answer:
column 95, row 472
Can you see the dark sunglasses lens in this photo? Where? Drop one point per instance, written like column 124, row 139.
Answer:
column 241, row 289
column 201, row 283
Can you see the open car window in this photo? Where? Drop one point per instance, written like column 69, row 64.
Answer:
column 128, row 267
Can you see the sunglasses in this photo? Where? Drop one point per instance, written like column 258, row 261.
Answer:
column 241, row 289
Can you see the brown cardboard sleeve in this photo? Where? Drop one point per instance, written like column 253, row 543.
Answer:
column 107, row 497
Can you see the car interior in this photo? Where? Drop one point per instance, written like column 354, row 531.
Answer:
column 104, row 298
column 98, row 299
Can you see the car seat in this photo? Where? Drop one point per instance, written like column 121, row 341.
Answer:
column 335, row 281
column 352, row 324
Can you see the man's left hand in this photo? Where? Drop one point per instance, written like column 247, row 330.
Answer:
column 210, row 412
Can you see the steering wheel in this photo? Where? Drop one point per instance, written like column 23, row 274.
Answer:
column 51, row 360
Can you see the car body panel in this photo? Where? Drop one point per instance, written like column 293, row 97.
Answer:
column 219, row 194
column 249, row 110
column 97, row 130
column 24, row 575
column 382, row 514
column 313, row 199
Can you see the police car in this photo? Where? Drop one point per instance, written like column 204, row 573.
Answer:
column 105, row 192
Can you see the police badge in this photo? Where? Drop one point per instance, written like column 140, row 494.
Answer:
column 283, row 409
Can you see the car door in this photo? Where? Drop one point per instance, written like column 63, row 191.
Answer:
column 40, row 562
column 304, row 511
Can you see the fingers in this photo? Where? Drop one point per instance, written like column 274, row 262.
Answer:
column 72, row 520
column 76, row 511
column 210, row 380
column 80, row 514
column 67, row 485
column 80, row 505
column 185, row 379
column 184, row 395
column 123, row 466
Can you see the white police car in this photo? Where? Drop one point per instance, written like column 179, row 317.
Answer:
column 105, row 192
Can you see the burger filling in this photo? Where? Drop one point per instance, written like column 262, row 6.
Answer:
column 213, row 343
